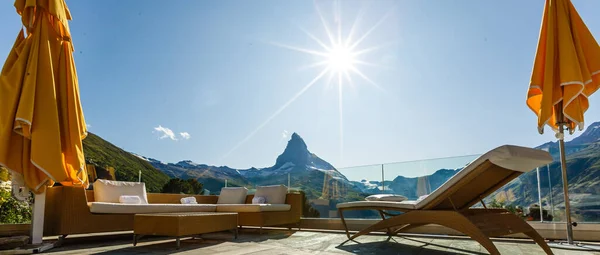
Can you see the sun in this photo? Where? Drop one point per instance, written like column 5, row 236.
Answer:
column 341, row 59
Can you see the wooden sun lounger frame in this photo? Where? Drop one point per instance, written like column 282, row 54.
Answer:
column 452, row 210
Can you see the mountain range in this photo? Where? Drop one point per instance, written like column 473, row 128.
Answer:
column 305, row 170
column 583, row 171
column 320, row 179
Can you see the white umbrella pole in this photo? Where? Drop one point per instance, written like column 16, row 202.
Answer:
column 37, row 218
column 563, row 164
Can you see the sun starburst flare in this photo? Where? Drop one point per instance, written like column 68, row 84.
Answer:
column 339, row 58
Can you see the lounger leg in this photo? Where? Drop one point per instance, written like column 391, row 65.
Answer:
column 260, row 231
column 235, row 233
column 178, row 242
column 341, row 212
column 407, row 227
column 451, row 219
column 134, row 239
column 539, row 240
column 61, row 240
column 513, row 224
column 389, row 231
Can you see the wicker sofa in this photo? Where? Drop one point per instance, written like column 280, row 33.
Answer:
column 67, row 212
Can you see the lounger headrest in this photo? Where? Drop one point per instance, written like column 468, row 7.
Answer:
column 518, row 158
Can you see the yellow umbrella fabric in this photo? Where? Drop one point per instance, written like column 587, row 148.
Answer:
column 566, row 70
column 41, row 119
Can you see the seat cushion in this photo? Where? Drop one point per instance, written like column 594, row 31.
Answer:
column 117, row 208
column 273, row 194
column 408, row 205
column 253, row 208
column 235, row 195
column 386, row 197
column 110, row 191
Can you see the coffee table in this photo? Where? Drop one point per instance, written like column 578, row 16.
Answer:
column 183, row 224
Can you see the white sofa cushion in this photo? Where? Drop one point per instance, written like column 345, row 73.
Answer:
column 273, row 194
column 253, row 208
column 235, row 195
column 110, row 191
column 386, row 197
column 117, row 208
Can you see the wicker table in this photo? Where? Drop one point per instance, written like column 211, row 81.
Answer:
column 182, row 224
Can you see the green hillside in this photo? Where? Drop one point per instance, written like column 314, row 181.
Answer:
column 584, row 176
column 127, row 166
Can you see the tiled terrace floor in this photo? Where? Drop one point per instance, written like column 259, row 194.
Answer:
column 291, row 242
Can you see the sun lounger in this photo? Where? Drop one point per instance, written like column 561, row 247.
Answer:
column 450, row 204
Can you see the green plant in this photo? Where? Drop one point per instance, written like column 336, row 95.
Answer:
column 307, row 210
column 4, row 174
column 13, row 211
column 502, row 204
column 179, row 186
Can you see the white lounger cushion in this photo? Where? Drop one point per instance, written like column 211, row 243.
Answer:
column 254, row 208
column 409, row 205
column 386, row 197
column 117, row 208
column 511, row 157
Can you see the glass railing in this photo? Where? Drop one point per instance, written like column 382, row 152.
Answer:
column 410, row 179
column 527, row 197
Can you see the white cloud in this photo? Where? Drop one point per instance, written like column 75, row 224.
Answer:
column 88, row 126
column 185, row 135
column 165, row 133
column 284, row 134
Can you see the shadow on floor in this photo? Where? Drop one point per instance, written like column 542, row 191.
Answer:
column 391, row 246
column 161, row 244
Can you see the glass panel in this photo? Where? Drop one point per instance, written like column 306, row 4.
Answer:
column 584, row 190
column 411, row 179
column 419, row 178
column 325, row 189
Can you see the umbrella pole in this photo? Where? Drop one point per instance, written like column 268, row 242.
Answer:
column 540, row 195
column 37, row 221
column 563, row 164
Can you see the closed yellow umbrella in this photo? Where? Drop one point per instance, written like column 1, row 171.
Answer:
column 41, row 119
column 565, row 73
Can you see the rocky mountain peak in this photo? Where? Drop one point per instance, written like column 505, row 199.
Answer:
column 295, row 152
column 187, row 164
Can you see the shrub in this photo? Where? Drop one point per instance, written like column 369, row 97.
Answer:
column 179, row 186
column 13, row 211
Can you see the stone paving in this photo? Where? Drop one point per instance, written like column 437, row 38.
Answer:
column 272, row 242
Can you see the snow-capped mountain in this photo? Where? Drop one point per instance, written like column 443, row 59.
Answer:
column 296, row 160
column 591, row 135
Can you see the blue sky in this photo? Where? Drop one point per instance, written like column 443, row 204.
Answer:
column 452, row 77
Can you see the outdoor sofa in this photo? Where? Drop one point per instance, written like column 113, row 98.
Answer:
column 72, row 210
